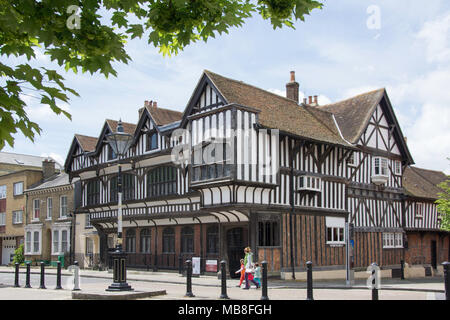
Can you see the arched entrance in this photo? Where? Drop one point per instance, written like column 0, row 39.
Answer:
column 235, row 245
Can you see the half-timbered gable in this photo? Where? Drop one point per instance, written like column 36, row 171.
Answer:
column 78, row 158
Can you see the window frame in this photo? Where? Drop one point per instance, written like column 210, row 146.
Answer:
column 2, row 218
column 268, row 233
column 148, row 141
column 187, row 240
column 383, row 165
column 14, row 217
column 169, row 239
column 14, row 188
column 49, row 208
column 313, row 183
column 93, row 192
column 130, row 236
column 393, row 240
column 36, row 209
column 128, row 190
column 157, row 181
column 61, row 207
column 145, row 240
column 397, row 167
column 3, row 191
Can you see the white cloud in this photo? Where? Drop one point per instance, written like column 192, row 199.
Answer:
column 435, row 34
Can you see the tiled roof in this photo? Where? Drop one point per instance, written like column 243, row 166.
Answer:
column 56, row 180
column 279, row 112
column 422, row 183
column 352, row 115
column 87, row 143
column 127, row 127
column 163, row 116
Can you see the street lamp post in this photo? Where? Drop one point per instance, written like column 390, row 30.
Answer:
column 120, row 142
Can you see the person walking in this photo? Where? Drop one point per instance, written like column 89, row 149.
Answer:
column 258, row 273
column 248, row 263
column 242, row 271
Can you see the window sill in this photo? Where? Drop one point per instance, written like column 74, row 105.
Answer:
column 336, row 244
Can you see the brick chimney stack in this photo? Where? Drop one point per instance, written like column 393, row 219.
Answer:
column 155, row 104
column 292, row 88
column 48, row 168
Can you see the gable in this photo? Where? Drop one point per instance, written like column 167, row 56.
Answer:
column 206, row 96
column 382, row 131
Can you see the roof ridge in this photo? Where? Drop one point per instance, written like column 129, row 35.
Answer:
column 436, row 171
column 253, row 86
column 350, row 98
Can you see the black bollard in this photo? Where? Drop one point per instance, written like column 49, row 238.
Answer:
column 264, row 295
column 16, row 278
column 180, row 265
column 58, row 275
column 223, row 271
column 309, row 292
column 374, row 283
column 447, row 279
column 189, row 279
column 42, row 286
column 402, row 269
column 27, row 284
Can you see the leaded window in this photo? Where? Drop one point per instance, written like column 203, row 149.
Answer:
column 162, row 181
column 187, row 240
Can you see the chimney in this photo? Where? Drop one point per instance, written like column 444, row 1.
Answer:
column 48, row 168
column 155, row 104
column 406, row 140
column 292, row 88
column 310, row 100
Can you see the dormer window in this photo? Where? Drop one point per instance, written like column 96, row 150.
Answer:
column 111, row 153
column 380, row 170
column 152, row 141
column 310, row 183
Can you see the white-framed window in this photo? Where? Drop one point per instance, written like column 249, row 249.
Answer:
column 398, row 167
column 64, row 247
column 18, row 188
column 36, row 209
column 49, row 208
column 3, row 192
column 33, row 239
column 310, row 183
column 89, row 246
column 60, row 238
column 2, row 218
column 380, row 166
column 335, row 230
column 17, row 217
column 351, row 160
column 63, row 207
column 392, row 240
column 419, row 211
column 55, row 241
column 28, row 242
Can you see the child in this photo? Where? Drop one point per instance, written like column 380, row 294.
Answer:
column 257, row 273
column 242, row 271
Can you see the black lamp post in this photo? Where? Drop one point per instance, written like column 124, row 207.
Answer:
column 120, row 142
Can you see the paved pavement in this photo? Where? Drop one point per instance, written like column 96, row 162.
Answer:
column 208, row 287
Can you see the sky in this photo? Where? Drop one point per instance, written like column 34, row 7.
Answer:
column 348, row 47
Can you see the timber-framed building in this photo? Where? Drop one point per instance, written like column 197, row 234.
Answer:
column 252, row 169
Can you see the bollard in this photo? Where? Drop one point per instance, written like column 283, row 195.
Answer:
column 42, row 286
column 189, row 279
column 27, row 284
column 374, row 283
column 264, row 295
column 58, row 275
column 309, row 292
column 223, row 271
column 180, row 265
column 76, row 277
column 447, row 279
column 16, row 278
column 402, row 270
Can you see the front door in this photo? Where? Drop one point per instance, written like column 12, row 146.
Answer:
column 235, row 246
column 433, row 254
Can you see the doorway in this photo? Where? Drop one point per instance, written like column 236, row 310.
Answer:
column 235, row 250
column 433, row 254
